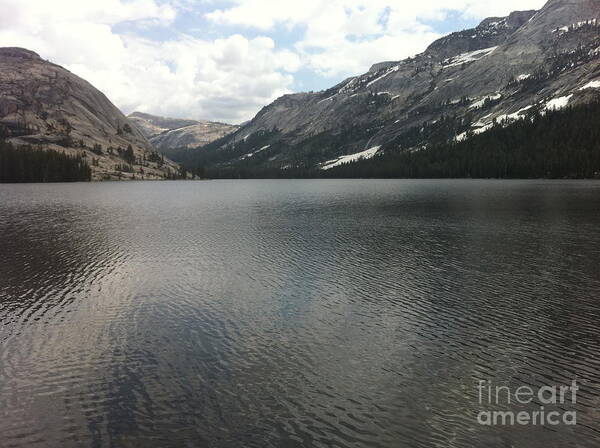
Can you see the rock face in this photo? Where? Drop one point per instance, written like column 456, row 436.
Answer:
column 44, row 105
column 530, row 60
column 171, row 133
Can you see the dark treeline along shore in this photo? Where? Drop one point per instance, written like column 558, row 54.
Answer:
column 552, row 144
column 559, row 144
column 29, row 164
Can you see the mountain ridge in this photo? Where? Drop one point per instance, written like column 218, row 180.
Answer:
column 497, row 71
column 44, row 105
column 170, row 133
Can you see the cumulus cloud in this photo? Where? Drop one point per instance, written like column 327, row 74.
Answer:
column 344, row 37
column 265, row 14
column 229, row 77
column 226, row 79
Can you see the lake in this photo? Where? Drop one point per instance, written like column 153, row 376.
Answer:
column 296, row 313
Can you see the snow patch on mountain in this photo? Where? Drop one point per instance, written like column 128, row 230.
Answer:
column 506, row 118
column 481, row 102
column 503, row 119
column 369, row 153
column 558, row 103
column 388, row 72
column 255, row 152
column 469, row 57
column 481, row 130
column 576, row 26
column 591, row 85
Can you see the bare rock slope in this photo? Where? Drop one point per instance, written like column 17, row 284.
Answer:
column 45, row 105
column 499, row 71
column 171, row 133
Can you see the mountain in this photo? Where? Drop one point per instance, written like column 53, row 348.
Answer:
column 500, row 71
column 556, row 144
column 44, row 105
column 170, row 133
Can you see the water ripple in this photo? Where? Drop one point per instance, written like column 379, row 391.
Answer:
column 294, row 313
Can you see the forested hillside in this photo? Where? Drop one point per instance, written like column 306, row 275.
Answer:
column 542, row 144
column 27, row 164
column 44, row 105
column 504, row 69
column 559, row 144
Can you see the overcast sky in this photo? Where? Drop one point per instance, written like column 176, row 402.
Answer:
column 224, row 60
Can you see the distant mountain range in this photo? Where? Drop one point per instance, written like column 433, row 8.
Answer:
column 44, row 105
column 462, row 86
column 171, row 133
column 505, row 69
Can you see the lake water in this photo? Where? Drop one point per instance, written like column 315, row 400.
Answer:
column 323, row 313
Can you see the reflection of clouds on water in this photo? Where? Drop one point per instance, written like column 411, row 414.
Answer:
column 264, row 313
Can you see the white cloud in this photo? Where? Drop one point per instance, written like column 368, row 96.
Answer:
column 227, row 79
column 232, row 77
column 344, row 37
column 265, row 14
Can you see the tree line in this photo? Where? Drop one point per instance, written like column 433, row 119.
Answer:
column 28, row 164
column 552, row 144
column 557, row 144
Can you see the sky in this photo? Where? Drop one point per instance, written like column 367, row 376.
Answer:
column 224, row 60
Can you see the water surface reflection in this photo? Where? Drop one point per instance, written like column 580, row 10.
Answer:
column 293, row 313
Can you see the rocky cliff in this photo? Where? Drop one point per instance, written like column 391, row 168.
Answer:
column 499, row 71
column 42, row 104
column 170, row 133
